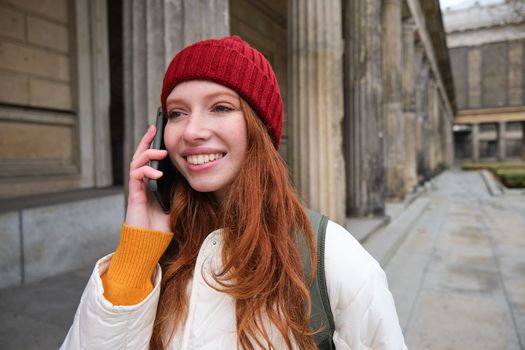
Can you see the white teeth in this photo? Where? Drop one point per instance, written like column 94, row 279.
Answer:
column 203, row 158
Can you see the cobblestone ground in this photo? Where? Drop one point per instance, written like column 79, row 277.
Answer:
column 459, row 277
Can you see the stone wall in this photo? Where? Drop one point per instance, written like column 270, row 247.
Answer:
column 54, row 96
column 53, row 234
column 34, row 54
column 489, row 76
column 37, row 125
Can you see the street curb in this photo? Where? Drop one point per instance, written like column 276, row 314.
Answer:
column 497, row 189
column 383, row 244
column 493, row 187
column 363, row 228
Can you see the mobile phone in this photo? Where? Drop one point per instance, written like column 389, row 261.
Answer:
column 162, row 188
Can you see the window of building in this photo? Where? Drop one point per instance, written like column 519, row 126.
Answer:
column 488, row 148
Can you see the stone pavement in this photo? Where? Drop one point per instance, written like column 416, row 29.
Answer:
column 456, row 269
column 38, row 315
column 459, row 277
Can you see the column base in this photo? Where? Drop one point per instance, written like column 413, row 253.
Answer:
column 361, row 212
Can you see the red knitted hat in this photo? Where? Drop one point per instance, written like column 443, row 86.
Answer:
column 231, row 62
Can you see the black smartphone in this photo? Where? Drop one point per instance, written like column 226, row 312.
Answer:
column 162, row 188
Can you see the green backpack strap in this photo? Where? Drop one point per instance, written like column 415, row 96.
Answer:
column 322, row 319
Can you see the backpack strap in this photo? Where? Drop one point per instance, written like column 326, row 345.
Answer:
column 321, row 319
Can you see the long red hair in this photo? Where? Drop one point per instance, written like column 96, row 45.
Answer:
column 262, row 267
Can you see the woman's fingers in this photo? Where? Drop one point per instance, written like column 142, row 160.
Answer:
column 144, row 157
column 145, row 141
column 137, row 176
column 145, row 171
column 139, row 169
column 139, row 212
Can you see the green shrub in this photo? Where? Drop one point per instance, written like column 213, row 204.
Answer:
column 511, row 174
column 494, row 166
column 512, row 177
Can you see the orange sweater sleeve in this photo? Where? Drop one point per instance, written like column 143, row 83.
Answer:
column 128, row 279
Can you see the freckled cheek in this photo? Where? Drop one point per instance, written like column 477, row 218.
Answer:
column 170, row 141
column 170, row 136
column 239, row 138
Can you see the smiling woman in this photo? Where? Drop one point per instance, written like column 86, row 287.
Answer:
column 223, row 269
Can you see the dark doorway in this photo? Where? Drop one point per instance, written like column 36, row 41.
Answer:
column 462, row 144
column 114, row 10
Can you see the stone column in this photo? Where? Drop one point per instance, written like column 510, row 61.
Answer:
column 449, row 141
column 475, row 142
column 444, row 137
column 363, row 109
column 436, row 146
column 92, row 79
column 425, row 120
column 409, row 104
column 422, row 76
column 316, row 104
column 430, row 138
column 153, row 32
column 393, row 114
column 438, row 133
column 523, row 140
column 502, row 133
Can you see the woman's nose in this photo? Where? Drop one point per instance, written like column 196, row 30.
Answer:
column 197, row 128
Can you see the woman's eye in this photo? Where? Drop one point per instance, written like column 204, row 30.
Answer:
column 222, row 108
column 174, row 114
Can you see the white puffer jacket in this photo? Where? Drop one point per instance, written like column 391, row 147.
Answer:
column 364, row 312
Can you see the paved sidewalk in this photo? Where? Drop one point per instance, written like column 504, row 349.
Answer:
column 38, row 315
column 459, row 277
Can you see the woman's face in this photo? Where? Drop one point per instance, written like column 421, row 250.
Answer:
column 206, row 135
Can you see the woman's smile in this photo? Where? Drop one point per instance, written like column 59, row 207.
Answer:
column 203, row 158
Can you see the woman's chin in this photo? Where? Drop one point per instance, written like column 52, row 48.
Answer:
column 220, row 191
column 204, row 187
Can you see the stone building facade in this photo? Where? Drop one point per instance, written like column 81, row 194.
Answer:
column 487, row 46
column 367, row 85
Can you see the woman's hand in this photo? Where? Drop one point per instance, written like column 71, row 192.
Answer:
column 143, row 210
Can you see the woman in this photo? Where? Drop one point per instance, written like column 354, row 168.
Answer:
column 222, row 269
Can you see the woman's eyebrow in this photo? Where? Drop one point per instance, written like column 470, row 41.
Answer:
column 222, row 94
column 175, row 101
column 214, row 95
